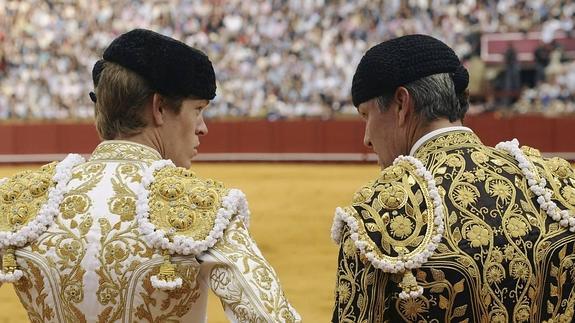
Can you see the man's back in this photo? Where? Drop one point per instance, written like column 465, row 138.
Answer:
column 502, row 258
column 96, row 264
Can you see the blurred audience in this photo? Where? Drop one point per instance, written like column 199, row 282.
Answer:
column 273, row 59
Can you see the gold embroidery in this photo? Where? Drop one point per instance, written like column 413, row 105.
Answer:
column 397, row 217
column 97, row 240
column 23, row 195
column 119, row 243
column 184, row 204
column 124, row 150
column 501, row 258
column 401, row 227
column 355, row 285
column 9, row 261
column 73, row 205
column 68, row 246
column 560, row 167
column 256, row 296
column 167, row 269
column 31, row 291
column 392, row 196
column 172, row 305
column 412, row 309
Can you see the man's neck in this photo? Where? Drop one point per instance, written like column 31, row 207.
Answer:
column 147, row 138
column 432, row 126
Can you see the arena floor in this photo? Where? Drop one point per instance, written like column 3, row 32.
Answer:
column 292, row 208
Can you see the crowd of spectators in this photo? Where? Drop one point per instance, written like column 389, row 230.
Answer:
column 553, row 96
column 273, row 59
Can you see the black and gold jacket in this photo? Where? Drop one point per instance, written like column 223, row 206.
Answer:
column 501, row 258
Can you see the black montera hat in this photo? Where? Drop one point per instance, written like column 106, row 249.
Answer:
column 403, row 60
column 169, row 66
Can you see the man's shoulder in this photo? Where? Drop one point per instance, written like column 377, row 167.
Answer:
column 555, row 166
column 29, row 200
column 396, row 218
column 558, row 173
column 22, row 194
column 191, row 212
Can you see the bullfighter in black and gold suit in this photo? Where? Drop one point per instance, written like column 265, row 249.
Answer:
column 454, row 231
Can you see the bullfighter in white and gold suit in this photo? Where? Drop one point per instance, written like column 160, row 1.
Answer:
column 451, row 230
column 127, row 235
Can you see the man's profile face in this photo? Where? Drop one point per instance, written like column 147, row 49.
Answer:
column 381, row 131
column 183, row 130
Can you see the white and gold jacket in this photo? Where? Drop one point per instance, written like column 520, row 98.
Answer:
column 126, row 237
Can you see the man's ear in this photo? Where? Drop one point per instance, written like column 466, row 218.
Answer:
column 404, row 104
column 158, row 110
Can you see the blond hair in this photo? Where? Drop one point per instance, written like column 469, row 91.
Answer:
column 122, row 96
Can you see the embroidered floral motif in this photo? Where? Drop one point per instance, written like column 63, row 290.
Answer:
column 125, row 207
column 478, row 236
column 495, row 274
column 479, row 157
column 465, row 196
column 401, row 226
column 343, row 291
column 516, row 227
column 500, row 190
column 453, row 161
column 393, row 197
column 520, row 270
column 412, row 308
column 569, row 194
column 72, row 205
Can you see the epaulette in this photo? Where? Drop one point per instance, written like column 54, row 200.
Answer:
column 181, row 213
column 395, row 222
column 22, row 196
column 183, row 203
column 29, row 202
column 560, row 175
column 550, row 181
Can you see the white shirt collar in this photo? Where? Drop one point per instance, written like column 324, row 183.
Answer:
column 433, row 134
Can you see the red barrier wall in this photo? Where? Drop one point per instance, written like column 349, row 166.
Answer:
column 297, row 136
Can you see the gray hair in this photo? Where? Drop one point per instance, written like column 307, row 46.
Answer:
column 434, row 97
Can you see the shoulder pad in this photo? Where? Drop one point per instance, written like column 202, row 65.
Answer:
column 183, row 203
column 393, row 217
column 560, row 168
column 23, row 195
column 183, row 214
column 558, row 172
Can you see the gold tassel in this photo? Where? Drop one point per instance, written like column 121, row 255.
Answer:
column 409, row 286
column 167, row 269
column 9, row 264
